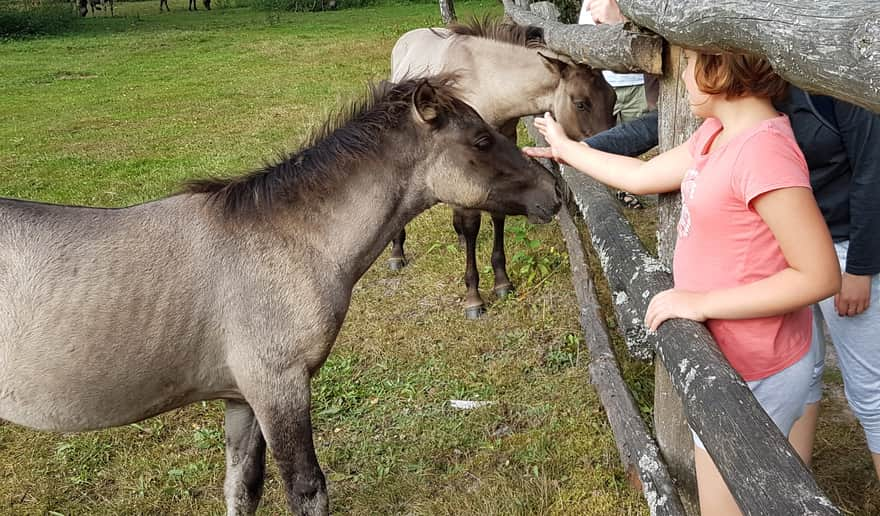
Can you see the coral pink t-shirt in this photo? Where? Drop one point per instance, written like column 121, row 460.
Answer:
column 724, row 243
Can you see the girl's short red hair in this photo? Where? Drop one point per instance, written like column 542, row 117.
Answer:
column 738, row 75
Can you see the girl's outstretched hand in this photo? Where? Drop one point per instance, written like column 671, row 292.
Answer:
column 551, row 130
column 538, row 152
column 674, row 304
column 555, row 135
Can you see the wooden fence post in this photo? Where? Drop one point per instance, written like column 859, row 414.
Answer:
column 676, row 124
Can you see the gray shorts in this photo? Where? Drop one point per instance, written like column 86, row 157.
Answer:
column 782, row 395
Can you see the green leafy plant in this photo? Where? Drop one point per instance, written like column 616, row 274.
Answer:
column 565, row 354
column 531, row 264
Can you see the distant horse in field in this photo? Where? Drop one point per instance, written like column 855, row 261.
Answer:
column 190, row 7
column 236, row 288
column 505, row 72
column 84, row 6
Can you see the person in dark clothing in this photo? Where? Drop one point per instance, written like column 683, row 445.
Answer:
column 632, row 138
column 841, row 143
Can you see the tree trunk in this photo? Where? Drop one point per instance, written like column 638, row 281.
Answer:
column 447, row 11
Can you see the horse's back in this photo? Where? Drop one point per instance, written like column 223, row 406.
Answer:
column 419, row 53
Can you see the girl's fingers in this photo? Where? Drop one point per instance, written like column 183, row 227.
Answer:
column 658, row 321
column 655, row 317
column 656, row 312
column 650, row 313
column 538, row 152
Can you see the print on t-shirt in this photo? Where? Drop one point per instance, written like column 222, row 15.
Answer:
column 688, row 190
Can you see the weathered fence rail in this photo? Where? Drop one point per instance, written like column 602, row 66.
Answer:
column 638, row 451
column 604, row 46
column 826, row 46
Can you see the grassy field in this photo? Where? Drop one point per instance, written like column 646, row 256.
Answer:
column 123, row 109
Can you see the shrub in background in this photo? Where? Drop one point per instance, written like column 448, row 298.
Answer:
column 35, row 17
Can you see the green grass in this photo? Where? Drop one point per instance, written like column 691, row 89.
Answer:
column 122, row 109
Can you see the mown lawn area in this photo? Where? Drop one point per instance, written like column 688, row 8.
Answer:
column 123, row 109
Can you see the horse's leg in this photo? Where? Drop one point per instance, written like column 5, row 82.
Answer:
column 503, row 287
column 397, row 260
column 458, row 225
column 470, row 226
column 245, row 459
column 282, row 409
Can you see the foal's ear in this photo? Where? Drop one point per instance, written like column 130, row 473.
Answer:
column 425, row 104
column 557, row 65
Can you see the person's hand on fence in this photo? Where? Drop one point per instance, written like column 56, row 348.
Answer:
column 605, row 11
column 854, row 296
column 674, row 304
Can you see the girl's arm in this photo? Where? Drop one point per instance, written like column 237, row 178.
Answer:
column 664, row 173
column 813, row 272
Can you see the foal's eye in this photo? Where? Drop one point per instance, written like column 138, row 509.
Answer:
column 483, row 142
column 582, row 105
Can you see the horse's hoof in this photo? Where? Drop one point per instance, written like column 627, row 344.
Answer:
column 474, row 312
column 503, row 291
column 396, row 264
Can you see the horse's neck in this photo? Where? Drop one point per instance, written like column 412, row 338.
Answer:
column 351, row 225
column 507, row 82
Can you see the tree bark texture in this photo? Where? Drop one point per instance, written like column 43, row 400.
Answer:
column 447, row 11
column 546, row 10
column 829, row 46
column 609, row 47
column 824, row 46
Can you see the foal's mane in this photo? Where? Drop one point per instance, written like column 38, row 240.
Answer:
column 350, row 136
column 497, row 29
